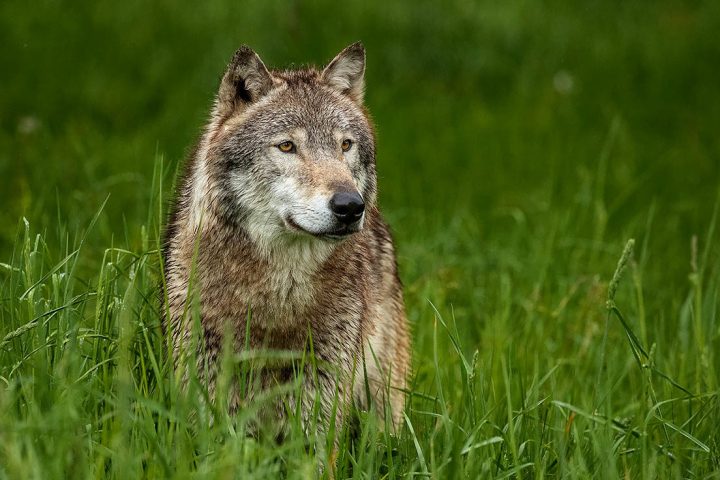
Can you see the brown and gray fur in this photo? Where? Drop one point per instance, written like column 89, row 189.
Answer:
column 251, row 226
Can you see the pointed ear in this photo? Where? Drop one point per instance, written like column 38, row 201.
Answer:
column 346, row 72
column 246, row 80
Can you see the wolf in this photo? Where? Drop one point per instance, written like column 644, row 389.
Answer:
column 276, row 227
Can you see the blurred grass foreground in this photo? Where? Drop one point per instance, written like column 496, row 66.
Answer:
column 520, row 146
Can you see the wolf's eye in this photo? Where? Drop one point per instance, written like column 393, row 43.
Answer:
column 346, row 144
column 287, row 147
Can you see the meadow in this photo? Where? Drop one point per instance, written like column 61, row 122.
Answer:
column 551, row 173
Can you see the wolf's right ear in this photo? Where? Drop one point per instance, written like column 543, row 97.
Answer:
column 245, row 81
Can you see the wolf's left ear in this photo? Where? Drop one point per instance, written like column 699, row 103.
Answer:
column 246, row 80
column 346, row 72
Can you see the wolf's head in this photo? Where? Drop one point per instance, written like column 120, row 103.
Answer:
column 288, row 154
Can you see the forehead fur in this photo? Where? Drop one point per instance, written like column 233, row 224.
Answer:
column 300, row 99
column 303, row 100
column 303, row 76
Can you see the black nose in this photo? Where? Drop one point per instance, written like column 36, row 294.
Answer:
column 348, row 207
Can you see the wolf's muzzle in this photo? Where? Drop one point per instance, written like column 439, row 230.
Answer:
column 348, row 207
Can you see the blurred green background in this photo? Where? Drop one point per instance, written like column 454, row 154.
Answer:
column 482, row 106
column 520, row 143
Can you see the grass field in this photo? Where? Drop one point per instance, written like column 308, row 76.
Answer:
column 521, row 145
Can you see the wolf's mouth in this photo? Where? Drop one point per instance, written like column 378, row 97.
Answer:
column 338, row 234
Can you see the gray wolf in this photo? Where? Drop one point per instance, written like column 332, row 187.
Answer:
column 276, row 223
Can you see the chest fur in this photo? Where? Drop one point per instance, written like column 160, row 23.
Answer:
column 299, row 286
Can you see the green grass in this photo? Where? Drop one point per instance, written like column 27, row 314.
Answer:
column 520, row 146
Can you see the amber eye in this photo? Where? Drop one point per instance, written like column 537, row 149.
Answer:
column 287, row 147
column 346, row 144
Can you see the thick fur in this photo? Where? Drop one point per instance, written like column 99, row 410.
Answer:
column 251, row 231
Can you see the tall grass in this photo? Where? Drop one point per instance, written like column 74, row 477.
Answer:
column 89, row 390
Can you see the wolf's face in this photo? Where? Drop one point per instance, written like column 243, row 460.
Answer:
column 291, row 154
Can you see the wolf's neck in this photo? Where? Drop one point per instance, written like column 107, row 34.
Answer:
column 292, row 271
column 280, row 278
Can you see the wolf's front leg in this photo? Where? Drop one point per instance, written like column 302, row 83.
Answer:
column 325, row 402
